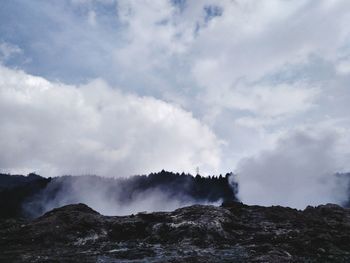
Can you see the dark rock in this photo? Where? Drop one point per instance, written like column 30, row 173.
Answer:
column 233, row 232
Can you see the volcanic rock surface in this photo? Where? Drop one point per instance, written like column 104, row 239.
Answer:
column 233, row 232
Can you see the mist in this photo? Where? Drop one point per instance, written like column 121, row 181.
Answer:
column 102, row 198
column 163, row 191
column 299, row 171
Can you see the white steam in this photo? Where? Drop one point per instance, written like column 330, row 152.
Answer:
column 107, row 196
column 299, row 171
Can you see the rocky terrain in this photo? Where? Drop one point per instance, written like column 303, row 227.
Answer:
column 233, row 232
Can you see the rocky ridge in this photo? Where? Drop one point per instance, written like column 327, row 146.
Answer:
column 233, row 232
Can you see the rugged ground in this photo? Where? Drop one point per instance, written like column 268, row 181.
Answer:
column 231, row 233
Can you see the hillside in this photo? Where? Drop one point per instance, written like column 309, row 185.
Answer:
column 233, row 232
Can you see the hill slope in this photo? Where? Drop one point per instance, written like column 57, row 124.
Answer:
column 231, row 233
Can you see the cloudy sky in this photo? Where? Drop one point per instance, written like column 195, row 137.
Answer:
column 119, row 87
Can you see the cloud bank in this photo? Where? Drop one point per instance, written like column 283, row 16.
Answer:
column 58, row 129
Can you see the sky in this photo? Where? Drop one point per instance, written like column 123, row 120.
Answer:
column 116, row 87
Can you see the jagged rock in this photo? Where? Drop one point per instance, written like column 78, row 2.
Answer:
column 233, row 232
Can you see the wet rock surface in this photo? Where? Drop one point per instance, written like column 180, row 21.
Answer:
column 233, row 232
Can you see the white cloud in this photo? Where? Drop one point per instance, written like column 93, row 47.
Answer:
column 92, row 18
column 59, row 129
column 343, row 67
column 266, row 100
column 8, row 50
column 254, row 38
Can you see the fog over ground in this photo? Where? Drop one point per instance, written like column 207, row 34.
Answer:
column 163, row 191
column 103, row 196
column 119, row 87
